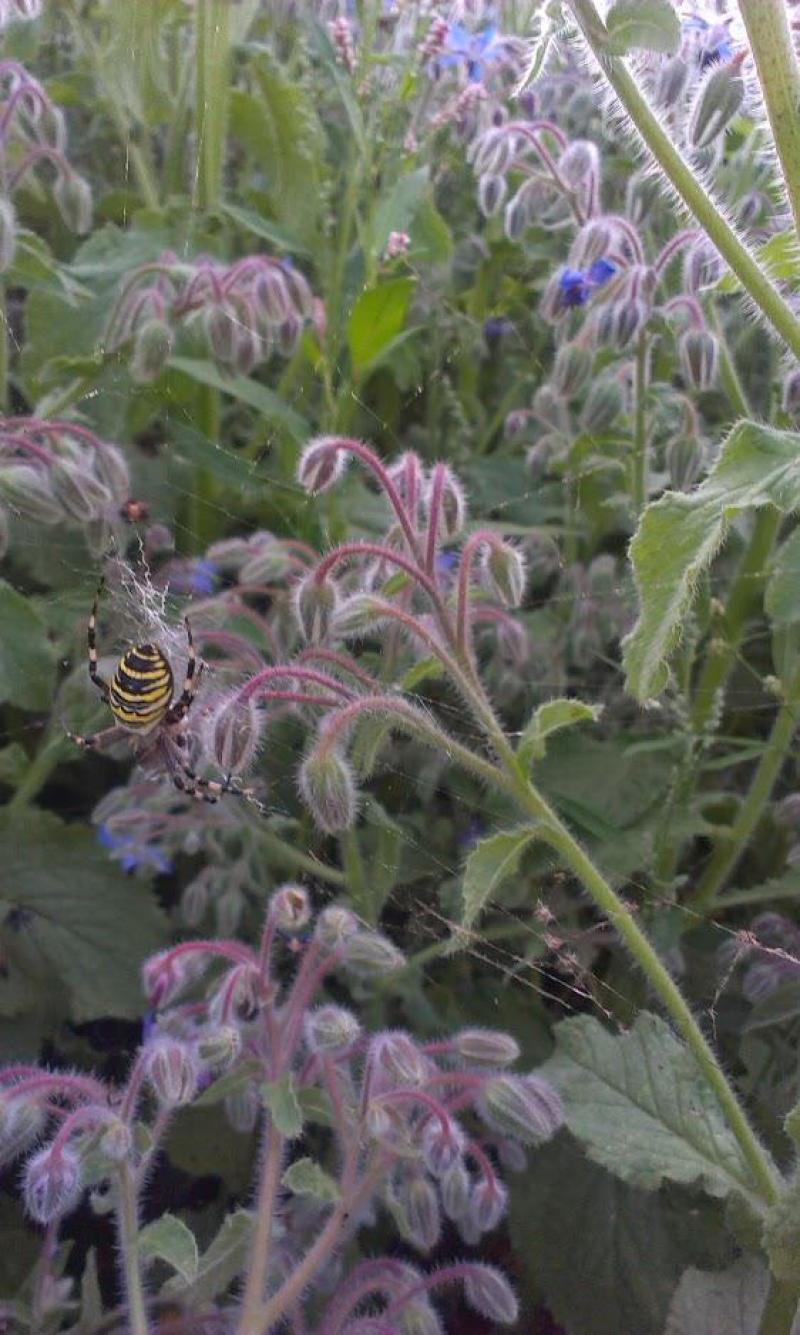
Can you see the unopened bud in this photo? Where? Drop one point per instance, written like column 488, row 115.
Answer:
column 643, row 189
column 487, row 1046
column 53, row 1184
column 594, row 240
column 698, row 351
column 671, row 81
column 358, row 616
column 73, row 196
column 787, row 812
column 220, row 326
column 397, row 1062
column 579, row 160
column 516, row 422
column 27, row 492
column 328, row 789
column 230, row 908
column 116, row 1141
column 235, row 730
column 540, row 456
column 152, row 350
column 290, row 908
column 243, row 1108
column 335, row 925
column 492, row 191
column 571, row 369
column 272, row 294
column 526, row 1107
column 419, row 1318
column 171, row 1068
column 702, row 268
column 315, row 603
column 111, row 467
column 422, row 1223
column 443, row 1144
column 331, row 1031
column 455, row 1189
column 194, row 901
column 603, row 405
column 453, row 503
column 21, row 1121
column 504, row 569
column 684, row 459
column 549, row 407
column 488, row 1203
column 718, row 101
column 83, row 496
column 8, row 233
column 619, row 322
column 489, row 1292
column 321, row 464
column 369, row 955
column 218, row 1047
column 270, row 561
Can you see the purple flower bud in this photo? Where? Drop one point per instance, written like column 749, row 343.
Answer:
column 642, row 191
column 368, row 956
column 512, row 1156
column 420, row 1220
column 490, row 1047
column 73, row 196
column 619, row 322
column 172, row 1070
column 526, row 1107
column 328, row 789
column 27, row 493
column 516, row 422
column 698, row 351
column 290, row 908
column 272, row 294
column 578, row 161
column 791, row 394
column 455, row 1188
column 718, row 100
column 8, row 234
column 315, row 603
column 234, row 733
column 594, row 240
column 116, row 1141
column 504, row 569
column 396, row 1062
column 453, row 511
column 443, row 1145
column 702, row 267
column 220, row 326
column 540, row 456
column 358, row 616
column 671, row 81
column 491, row 194
column 22, row 1119
column 487, row 1205
column 489, row 1292
column 269, row 561
column 331, row 1031
column 550, row 409
column 603, row 405
column 572, row 369
column 219, row 1046
column 53, row 1184
column 419, row 1318
column 81, row 494
column 334, row 927
column 684, row 458
column 152, row 350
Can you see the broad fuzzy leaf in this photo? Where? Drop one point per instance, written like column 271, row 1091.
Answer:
column 490, row 863
column 305, row 1178
column 551, row 717
column 640, row 1107
column 27, row 661
column 219, row 1265
column 712, row 1302
column 281, row 1099
column 680, row 534
column 782, row 595
column 643, row 25
column 168, row 1239
column 376, row 320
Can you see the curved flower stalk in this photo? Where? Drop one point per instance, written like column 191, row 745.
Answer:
column 243, row 312
column 417, row 1130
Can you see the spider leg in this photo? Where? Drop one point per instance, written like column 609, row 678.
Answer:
column 96, row 740
column 191, row 681
column 91, row 636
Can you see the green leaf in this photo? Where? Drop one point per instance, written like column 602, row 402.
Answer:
column 398, row 207
column 13, row 764
column 135, row 61
column 709, row 1302
column 281, row 1099
column 91, row 1312
column 551, row 717
column 377, row 318
column 424, row 670
column 168, row 1239
column 219, row 1266
column 232, row 1082
column 642, row 25
column 78, row 919
column 253, row 222
column 782, row 594
column 305, row 1178
column 27, row 660
column 248, row 391
column 680, row 534
column 641, row 1108
column 491, row 862
column 316, row 1106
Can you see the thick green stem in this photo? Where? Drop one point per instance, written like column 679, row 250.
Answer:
column 772, row 48
column 258, row 1269
column 203, row 516
column 728, row 851
column 640, row 439
column 686, row 181
column 212, row 82
column 128, row 1223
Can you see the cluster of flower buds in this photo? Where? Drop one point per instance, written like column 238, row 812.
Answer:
column 341, row 34
column 33, row 136
column 242, row 312
column 54, row 472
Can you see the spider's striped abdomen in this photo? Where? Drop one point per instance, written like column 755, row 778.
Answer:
column 141, row 688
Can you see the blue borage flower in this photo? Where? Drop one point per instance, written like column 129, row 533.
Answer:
column 130, row 854
column 713, row 40
column 475, row 49
column 577, row 285
column 193, row 576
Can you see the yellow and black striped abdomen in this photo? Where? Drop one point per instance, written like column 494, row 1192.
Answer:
column 141, row 688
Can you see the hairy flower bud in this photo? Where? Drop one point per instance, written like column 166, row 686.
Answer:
column 81, row 494
column 453, row 503
column 526, row 1107
column 315, row 603
column 571, row 369
column 719, row 99
column 443, row 1145
column 27, row 492
column 791, row 394
column 619, row 322
column 421, row 1219
column 21, row 1121
column 368, row 955
column 331, row 1031
column 220, row 327
column 396, row 1062
column 489, row 1292
column 487, row 1204
column 358, row 616
column 698, row 351
column 328, row 789
column 540, row 456
column 321, row 464
column 490, row 1047
column 335, row 925
column 550, row 409
column 8, row 233
column 594, row 240
column 419, row 1318
column 219, row 1046
column 702, row 267
column 603, row 405
column 455, row 1188
column 641, row 193
column 171, row 1068
column 272, row 294
column 684, row 458
column 504, row 568
column 671, row 81
column 116, row 1140
column 152, row 350
column 111, row 467
column 73, row 196
column 290, row 908
column 5, row 533
column 492, row 191
column 234, row 733
column 579, row 160
column 53, row 1183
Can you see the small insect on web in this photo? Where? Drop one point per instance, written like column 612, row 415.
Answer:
column 140, row 696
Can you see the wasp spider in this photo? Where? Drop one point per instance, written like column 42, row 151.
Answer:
column 140, row 696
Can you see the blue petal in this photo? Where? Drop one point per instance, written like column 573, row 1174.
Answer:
column 600, row 271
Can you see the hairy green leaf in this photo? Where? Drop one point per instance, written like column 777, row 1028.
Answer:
column 491, row 862
column 219, row 1265
column 712, row 1302
column 305, row 1178
column 266, row 401
column 376, row 320
column 27, row 660
column 551, row 717
column 639, row 1105
column 281, row 1099
column 643, row 25
column 168, row 1239
column 680, row 534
